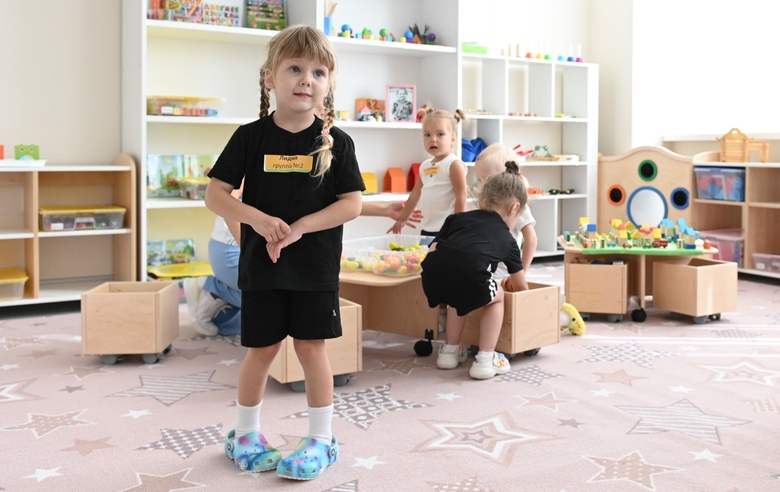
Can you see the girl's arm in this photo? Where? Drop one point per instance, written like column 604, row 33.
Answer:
column 529, row 245
column 392, row 210
column 458, row 178
column 515, row 282
column 233, row 226
column 411, row 204
column 346, row 208
column 220, row 201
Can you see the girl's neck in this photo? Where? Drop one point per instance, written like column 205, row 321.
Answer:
column 441, row 158
column 292, row 122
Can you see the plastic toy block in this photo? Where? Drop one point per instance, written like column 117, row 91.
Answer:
column 26, row 152
column 413, row 176
column 584, row 220
column 591, row 228
column 372, row 185
column 395, row 181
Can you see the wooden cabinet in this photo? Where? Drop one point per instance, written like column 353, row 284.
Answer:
column 61, row 265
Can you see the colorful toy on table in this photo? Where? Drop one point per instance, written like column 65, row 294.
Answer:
column 368, row 109
column 667, row 236
column 571, row 320
column 396, row 256
column 26, row 152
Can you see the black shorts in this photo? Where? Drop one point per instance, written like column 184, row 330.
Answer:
column 461, row 279
column 268, row 316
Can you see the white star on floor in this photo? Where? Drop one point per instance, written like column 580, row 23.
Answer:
column 369, row 463
column 602, row 392
column 705, row 455
column 227, row 362
column 680, row 389
column 6, row 367
column 137, row 413
column 42, row 475
column 448, row 396
column 744, row 371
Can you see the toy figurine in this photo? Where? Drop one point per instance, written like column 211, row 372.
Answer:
column 571, row 320
column 26, row 152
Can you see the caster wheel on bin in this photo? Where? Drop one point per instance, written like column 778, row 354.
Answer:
column 298, row 386
column 110, row 360
column 614, row 318
column 473, row 350
column 715, row 316
column 167, row 349
column 150, row 358
column 531, row 352
column 424, row 348
column 638, row 315
column 341, row 379
column 676, row 315
column 700, row 320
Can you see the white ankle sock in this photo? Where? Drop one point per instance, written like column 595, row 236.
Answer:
column 484, row 357
column 319, row 423
column 248, row 419
column 450, row 349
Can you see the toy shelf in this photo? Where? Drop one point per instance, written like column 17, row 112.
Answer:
column 202, row 32
column 61, row 265
column 364, row 46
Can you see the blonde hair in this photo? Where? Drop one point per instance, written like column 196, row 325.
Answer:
column 503, row 189
column 441, row 114
column 492, row 161
column 310, row 43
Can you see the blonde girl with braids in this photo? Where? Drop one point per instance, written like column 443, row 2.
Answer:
column 459, row 269
column 301, row 184
column 441, row 188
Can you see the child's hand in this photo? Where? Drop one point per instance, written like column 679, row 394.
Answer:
column 394, row 212
column 507, row 285
column 397, row 227
column 275, row 248
column 272, row 229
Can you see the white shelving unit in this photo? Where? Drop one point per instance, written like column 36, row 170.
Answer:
column 61, row 265
column 160, row 57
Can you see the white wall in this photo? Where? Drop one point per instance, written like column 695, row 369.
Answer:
column 60, row 82
column 704, row 66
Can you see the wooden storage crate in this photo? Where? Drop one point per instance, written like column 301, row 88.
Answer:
column 345, row 353
column 531, row 320
column 702, row 287
column 119, row 318
column 597, row 288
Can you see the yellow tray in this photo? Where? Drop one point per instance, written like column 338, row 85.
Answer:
column 9, row 275
column 179, row 270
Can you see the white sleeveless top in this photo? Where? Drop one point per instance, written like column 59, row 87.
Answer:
column 221, row 232
column 437, row 199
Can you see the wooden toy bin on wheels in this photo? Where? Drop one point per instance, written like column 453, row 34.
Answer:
column 122, row 318
column 597, row 288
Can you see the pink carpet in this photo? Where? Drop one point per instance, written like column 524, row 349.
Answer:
column 662, row 405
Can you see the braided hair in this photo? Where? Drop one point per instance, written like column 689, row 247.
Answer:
column 503, row 189
column 311, row 43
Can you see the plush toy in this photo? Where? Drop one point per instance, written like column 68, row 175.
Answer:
column 571, row 320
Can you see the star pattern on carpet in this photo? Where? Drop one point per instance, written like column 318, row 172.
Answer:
column 148, row 482
column 495, row 437
column 631, row 467
column 37, row 354
column 169, row 390
column 11, row 343
column 683, row 417
column 532, row 375
column 186, row 442
column 745, row 370
column 735, row 333
column 190, row 354
column 81, row 372
column 765, row 405
column 633, row 353
column 468, row 485
column 402, row 366
column 14, row 391
column 41, row 424
column 620, row 376
column 85, row 447
column 42, row 474
column 705, row 455
column 351, row 486
column 570, row 423
column 368, row 463
column 362, row 408
column 71, row 389
column 548, row 400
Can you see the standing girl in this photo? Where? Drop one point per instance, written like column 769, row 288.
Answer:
column 441, row 188
column 301, row 184
column 459, row 270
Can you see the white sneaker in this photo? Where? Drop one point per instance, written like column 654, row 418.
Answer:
column 200, row 303
column 446, row 360
column 486, row 370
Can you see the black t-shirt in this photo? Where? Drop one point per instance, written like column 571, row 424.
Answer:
column 312, row 262
column 483, row 232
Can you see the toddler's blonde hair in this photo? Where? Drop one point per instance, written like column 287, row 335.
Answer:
column 310, row 43
column 441, row 114
column 503, row 189
column 492, row 161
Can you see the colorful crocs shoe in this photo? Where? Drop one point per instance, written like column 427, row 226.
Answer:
column 251, row 452
column 309, row 460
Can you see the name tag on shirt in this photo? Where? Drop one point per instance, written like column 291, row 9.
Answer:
column 430, row 171
column 288, row 163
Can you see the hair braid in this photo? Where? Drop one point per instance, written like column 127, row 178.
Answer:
column 265, row 94
column 325, row 150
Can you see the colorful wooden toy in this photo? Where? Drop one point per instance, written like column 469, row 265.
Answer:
column 26, row 152
column 395, row 181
